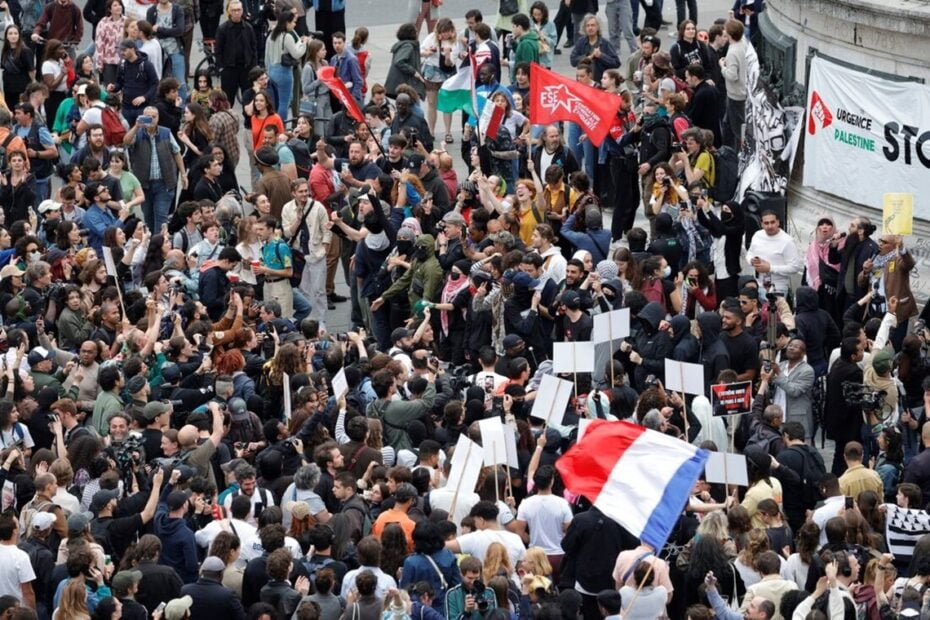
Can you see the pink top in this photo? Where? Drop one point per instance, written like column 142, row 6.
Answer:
column 109, row 35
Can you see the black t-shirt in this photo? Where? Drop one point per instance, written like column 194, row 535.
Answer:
column 579, row 331
column 744, row 351
column 16, row 70
column 121, row 532
column 151, row 441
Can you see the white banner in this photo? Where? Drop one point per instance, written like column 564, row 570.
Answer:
column 867, row 136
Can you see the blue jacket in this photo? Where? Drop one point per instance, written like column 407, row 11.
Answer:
column 137, row 79
column 212, row 288
column 335, row 5
column 417, row 567
column 179, row 549
column 595, row 241
column 96, row 221
column 348, row 70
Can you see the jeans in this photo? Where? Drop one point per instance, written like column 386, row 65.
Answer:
column 283, row 78
column 584, row 151
column 620, row 23
column 158, row 200
column 733, row 123
column 313, row 286
column 680, row 6
column 302, row 307
column 179, row 72
column 43, row 189
column 382, row 326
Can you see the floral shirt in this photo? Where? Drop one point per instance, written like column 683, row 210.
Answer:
column 109, row 35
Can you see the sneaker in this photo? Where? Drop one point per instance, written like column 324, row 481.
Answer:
column 330, row 305
column 334, row 298
column 557, row 52
column 567, row 44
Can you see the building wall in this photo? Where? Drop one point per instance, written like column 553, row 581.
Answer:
column 888, row 36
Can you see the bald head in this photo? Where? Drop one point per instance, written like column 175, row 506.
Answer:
column 187, row 436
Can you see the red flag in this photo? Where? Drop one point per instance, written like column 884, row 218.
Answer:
column 557, row 98
column 328, row 76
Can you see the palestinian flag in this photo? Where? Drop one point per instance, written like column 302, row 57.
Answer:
column 456, row 93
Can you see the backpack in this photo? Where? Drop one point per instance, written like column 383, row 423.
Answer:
column 726, row 165
column 29, row 512
column 113, row 130
column 3, row 147
column 312, row 567
column 682, row 87
column 302, row 160
column 812, row 470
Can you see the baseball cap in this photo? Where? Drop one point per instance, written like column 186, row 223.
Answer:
column 127, row 44
column 178, row 608
column 176, row 499
column 299, row 510
column 136, row 384
column 511, row 341
column 414, row 162
column 213, row 564
column 11, row 270
column 49, row 205
column 238, row 410
column 39, row 355
column 571, row 300
column 231, row 465
column 524, row 280
column 454, row 217
column 400, row 333
column 101, row 499
column 42, row 521
column 78, row 521
column 881, row 361
column 124, row 579
column 154, row 409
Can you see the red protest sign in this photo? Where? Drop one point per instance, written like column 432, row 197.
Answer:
column 731, row 398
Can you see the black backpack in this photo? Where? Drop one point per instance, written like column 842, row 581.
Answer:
column 302, row 161
column 812, row 470
column 726, row 163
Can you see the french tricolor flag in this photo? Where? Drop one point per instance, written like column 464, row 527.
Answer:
column 639, row 478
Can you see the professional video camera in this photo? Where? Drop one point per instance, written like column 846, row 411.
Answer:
column 869, row 400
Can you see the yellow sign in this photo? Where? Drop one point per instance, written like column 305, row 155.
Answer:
column 897, row 214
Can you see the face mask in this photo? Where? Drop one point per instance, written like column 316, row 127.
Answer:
column 648, row 118
column 667, row 271
column 726, row 216
column 35, row 257
column 421, row 253
column 404, row 247
column 454, row 276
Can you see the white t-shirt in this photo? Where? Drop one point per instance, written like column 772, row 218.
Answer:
column 831, row 508
column 18, row 434
column 54, row 69
column 243, row 530
column 546, row 515
column 15, row 570
column 259, row 496
column 477, row 544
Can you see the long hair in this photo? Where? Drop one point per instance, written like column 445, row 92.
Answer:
column 393, row 549
column 708, row 554
column 74, row 600
column 200, row 122
column 496, row 561
column 287, row 360
column 52, row 47
column 15, row 49
column 284, row 18
column 224, row 545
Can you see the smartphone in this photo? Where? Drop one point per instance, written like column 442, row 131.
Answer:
column 145, row 119
column 849, row 503
column 161, row 607
column 108, row 560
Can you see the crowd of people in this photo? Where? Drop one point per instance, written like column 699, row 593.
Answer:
column 182, row 435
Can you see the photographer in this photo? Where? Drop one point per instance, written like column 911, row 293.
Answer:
column 471, row 599
column 666, row 192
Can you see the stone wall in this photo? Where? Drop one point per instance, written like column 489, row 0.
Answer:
column 887, row 36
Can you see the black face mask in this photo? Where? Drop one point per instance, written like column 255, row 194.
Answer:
column 404, row 247
column 421, row 253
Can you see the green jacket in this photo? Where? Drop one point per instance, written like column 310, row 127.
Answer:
column 41, row 380
column 527, row 49
column 73, row 329
column 107, row 404
column 424, row 278
column 455, row 604
column 396, row 416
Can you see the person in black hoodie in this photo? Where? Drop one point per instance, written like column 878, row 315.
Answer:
column 714, row 355
column 653, row 133
column 730, row 227
column 842, row 420
column 686, row 345
column 816, row 327
column 180, row 548
column 651, row 345
column 804, row 460
column 527, row 325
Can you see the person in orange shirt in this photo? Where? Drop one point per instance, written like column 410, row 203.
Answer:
column 404, row 497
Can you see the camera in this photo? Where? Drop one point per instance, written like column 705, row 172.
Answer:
column 651, row 381
column 414, row 134
column 667, row 182
column 860, row 395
